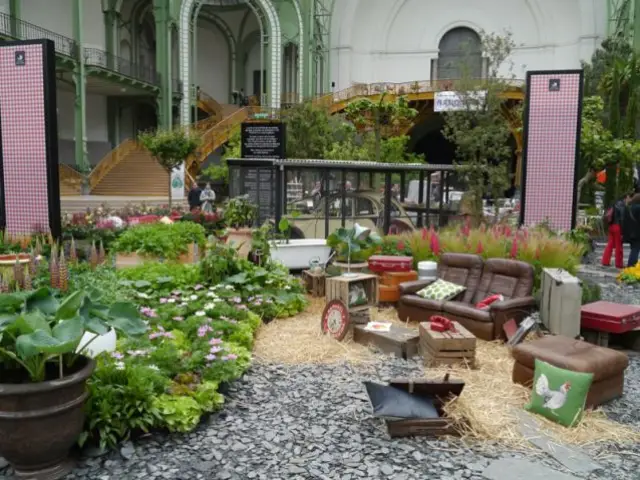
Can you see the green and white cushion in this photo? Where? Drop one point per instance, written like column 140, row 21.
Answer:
column 441, row 290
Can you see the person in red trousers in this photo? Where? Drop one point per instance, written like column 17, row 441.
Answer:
column 614, row 243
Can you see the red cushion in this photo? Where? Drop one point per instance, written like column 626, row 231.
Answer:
column 484, row 304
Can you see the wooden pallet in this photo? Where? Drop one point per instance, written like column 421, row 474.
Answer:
column 339, row 288
column 447, row 348
column 314, row 282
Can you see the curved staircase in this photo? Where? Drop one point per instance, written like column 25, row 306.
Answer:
column 129, row 170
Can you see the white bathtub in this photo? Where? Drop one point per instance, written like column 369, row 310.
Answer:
column 297, row 254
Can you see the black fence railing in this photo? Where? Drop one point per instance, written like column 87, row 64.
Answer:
column 19, row 29
column 99, row 58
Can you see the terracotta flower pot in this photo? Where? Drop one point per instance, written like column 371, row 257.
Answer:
column 241, row 239
column 40, row 422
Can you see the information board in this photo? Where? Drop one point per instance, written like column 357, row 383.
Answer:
column 259, row 186
column 263, row 140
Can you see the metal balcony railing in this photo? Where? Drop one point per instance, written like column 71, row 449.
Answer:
column 99, row 58
column 19, row 29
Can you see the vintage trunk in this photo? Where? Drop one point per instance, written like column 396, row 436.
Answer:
column 560, row 302
column 441, row 391
column 389, row 263
column 388, row 294
column 393, row 279
column 610, row 317
column 401, row 342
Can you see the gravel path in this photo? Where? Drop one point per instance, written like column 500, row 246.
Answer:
column 314, row 422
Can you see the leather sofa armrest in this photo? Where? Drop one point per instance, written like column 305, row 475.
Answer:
column 516, row 308
column 409, row 288
column 525, row 303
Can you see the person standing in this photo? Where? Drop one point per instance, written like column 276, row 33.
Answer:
column 207, row 197
column 194, row 197
column 631, row 228
column 613, row 219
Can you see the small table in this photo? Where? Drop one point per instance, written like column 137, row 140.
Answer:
column 599, row 319
column 400, row 341
column 447, row 348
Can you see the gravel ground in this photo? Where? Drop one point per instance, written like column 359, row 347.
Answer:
column 314, row 422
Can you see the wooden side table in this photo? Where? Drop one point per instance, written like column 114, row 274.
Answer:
column 447, row 348
column 314, row 282
column 349, row 299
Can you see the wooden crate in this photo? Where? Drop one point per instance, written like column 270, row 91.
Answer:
column 447, row 348
column 400, row 341
column 314, row 282
column 339, row 288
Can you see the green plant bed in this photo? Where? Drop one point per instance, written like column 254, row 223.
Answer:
column 158, row 240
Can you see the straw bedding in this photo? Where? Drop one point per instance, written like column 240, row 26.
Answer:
column 487, row 408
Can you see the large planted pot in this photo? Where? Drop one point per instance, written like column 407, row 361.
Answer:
column 40, row 422
column 355, row 267
column 298, row 254
column 240, row 238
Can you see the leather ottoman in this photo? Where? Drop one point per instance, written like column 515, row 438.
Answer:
column 607, row 365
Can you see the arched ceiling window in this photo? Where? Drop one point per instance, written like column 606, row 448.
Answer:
column 460, row 49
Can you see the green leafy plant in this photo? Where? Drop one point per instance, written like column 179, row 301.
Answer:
column 239, row 212
column 178, row 413
column 160, row 240
column 170, row 148
column 344, row 242
column 39, row 333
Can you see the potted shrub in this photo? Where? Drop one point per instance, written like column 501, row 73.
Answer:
column 349, row 249
column 240, row 215
column 43, row 375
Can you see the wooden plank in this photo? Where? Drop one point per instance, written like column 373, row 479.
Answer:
column 445, row 350
column 425, row 350
column 437, row 361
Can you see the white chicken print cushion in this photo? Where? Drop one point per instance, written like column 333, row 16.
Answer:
column 559, row 394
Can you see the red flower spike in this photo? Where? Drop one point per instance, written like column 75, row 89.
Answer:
column 514, row 248
column 424, row 234
column 480, row 248
column 435, row 245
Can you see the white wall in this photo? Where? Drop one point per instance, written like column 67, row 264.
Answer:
column 395, row 40
column 54, row 15
column 93, row 24
column 5, row 6
column 212, row 70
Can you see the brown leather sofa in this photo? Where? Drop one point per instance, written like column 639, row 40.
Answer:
column 510, row 278
column 607, row 365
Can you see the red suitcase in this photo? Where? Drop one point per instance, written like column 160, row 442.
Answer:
column 610, row 317
column 388, row 263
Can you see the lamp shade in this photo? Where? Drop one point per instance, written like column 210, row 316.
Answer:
column 360, row 232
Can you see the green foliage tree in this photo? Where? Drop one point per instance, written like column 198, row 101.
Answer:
column 479, row 129
column 310, row 130
column 383, row 118
column 170, row 148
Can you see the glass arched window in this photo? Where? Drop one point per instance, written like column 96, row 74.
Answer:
column 459, row 49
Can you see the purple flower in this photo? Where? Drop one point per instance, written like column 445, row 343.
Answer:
column 203, row 330
column 163, row 300
column 215, row 341
column 211, row 357
column 215, row 350
column 198, row 287
column 148, row 312
column 117, row 355
column 229, row 357
column 160, row 333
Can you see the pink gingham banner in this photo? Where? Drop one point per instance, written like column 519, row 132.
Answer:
column 551, row 137
column 23, row 133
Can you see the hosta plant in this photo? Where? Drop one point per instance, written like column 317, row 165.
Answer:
column 40, row 333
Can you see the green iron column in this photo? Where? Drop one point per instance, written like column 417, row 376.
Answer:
column 636, row 25
column 15, row 10
column 110, row 31
column 80, row 80
column 162, row 15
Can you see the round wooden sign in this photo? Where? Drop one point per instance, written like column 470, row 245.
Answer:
column 335, row 319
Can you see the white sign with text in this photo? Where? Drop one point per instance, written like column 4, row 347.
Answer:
column 456, row 101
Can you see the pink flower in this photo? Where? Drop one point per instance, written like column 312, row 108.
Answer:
column 231, row 356
column 178, row 319
column 514, row 248
column 211, row 357
column 163, row 300
column 424, row 233
column 480, row 248
column 203, row 330
column 198, row 287
column 148, row 312
column 215, row 349
column 435, row 244
column 215, row 341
